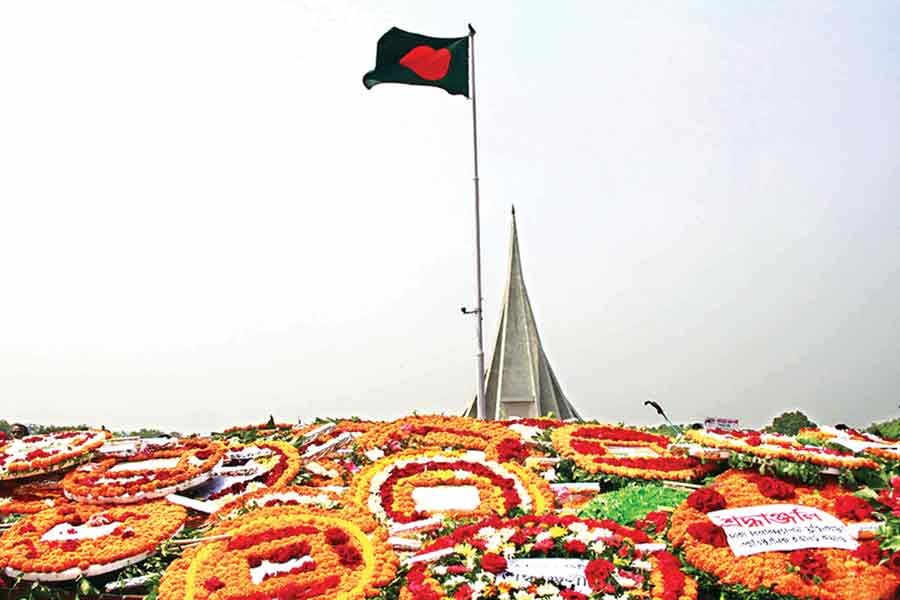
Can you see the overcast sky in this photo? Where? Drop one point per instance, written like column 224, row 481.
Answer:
column 206, row 218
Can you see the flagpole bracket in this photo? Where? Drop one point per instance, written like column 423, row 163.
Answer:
column 466, row 311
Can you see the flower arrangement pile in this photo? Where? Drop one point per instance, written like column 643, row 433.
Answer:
column 295, row 496
column 251, row 467
column 545, row 558
column 599, row 449
column 286, row 554
column 458, row 433
column 777, row 447
column 820, row 573
column 69, row 541
column 462, row 486
column 39, row 454
column 30, row 497
column 152, row 473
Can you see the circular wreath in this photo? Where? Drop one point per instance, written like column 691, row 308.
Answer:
column 75, row 540
column 388, row 487
column 478, row 559
column 435, row 431
column 30, row 498
column 152, row 473
column 261, row 465
column 590, row 447
column 296, row 496
column 780, row 447
column 38, row 454
column 284, row 553
column 824, row 574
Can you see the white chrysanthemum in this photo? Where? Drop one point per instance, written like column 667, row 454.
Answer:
column 547, row 589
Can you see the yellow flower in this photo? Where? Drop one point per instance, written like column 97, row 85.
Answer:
column 557, row 532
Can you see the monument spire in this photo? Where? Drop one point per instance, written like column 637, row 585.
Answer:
column 520, row 381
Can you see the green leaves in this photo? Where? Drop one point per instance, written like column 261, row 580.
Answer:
column 632, row 502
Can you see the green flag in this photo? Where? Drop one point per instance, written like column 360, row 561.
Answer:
column 414, row 59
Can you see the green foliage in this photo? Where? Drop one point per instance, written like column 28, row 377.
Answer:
column 889, row 430
column 632, row 502
column 806, row 473
column 789, row 423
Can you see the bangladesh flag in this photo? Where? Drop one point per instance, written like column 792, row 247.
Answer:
column 405, row 57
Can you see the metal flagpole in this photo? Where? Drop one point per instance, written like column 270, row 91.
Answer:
column 479, row 357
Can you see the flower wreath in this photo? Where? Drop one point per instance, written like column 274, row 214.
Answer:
column 436, row 431
column 779, row 447
column 823, row 574
column 298, row 497
column 37, row 454
column 152, row 473
column 591, row 448
column 476, row 561
column 30, row 498
column 272, row 464
column 286, row 554
column 388, row 486
column 70, row 541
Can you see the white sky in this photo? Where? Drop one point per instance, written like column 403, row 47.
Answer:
column 205, row 218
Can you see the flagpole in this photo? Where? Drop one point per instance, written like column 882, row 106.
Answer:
column 479, row 356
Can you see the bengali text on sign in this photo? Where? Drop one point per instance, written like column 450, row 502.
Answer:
column 755, row 529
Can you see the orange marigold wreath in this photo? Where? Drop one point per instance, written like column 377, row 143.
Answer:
column 152, row 473
column 285, row 553
column 69, row 541
column 821, row 574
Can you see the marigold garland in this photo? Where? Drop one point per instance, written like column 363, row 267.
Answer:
column 385, row 487
column 839, row 574
column 102, row 482
column 278, row 468
column 588, row 447
column 287, row 554
column 773, row 446
column 37, row 454
column 73, row 540
column 436, row 431
column 298, row 497
column 29, row 498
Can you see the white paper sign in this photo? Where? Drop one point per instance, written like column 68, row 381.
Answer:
column 754, row 529
column 720, row 423
column 565, row 572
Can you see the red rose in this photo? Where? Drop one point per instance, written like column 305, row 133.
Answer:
column 809, row 564
column 851, row 508
column 774, row 488
column 544, row 545
column 511, row 449
column 575, row 546
column 868, row 551
column 596, row 572
column 706, row 500
column 463, row 592
column 708, row 533
column 893, row 563
column 457, row 569
column 754, row 440
column 493, row 563
column 654, row 522
column 572, row 595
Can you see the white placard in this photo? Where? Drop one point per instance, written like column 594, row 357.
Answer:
column 446, row 497
column 861, row 446
column 754, row 529
column 566, row 572
column 721, row 423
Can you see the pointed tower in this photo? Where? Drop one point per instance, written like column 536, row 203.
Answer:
column 520, row 382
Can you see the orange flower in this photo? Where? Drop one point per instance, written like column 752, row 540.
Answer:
column 849, row 577
column 328, row 555
column 54, row 541
column 106, row 481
